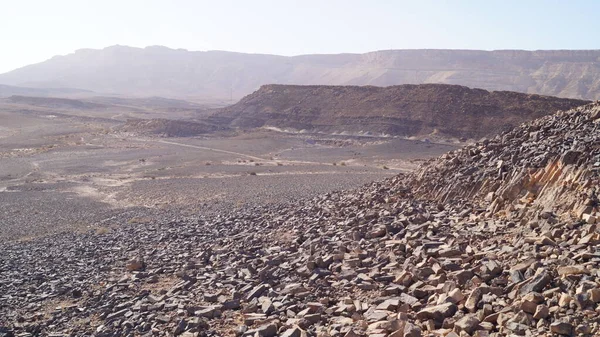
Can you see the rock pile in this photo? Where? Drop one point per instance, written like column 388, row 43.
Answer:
column 369, row 262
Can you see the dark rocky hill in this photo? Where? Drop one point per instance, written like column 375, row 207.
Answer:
column 169, row 127
column 405, row 110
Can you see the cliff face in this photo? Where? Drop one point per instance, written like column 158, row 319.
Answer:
column 406, row 110
column 215, row 74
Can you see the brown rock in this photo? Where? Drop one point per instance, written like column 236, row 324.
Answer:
column 136, row 265
column 541, row 312
column 571, row 270
column 468, row 323
column 594, row 295
column 528, row 306
column 562, row 328
column 473, row 300
column 411, row 330
column 565, row 300
column 438, row 312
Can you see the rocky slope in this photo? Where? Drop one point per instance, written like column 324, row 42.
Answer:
column 406, row 110
column 551, row 164
column 181, row 73
column 393, row 258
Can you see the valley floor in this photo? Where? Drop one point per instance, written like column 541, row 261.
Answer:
column 75, row 171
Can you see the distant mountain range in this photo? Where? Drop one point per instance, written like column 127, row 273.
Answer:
column 218, row 74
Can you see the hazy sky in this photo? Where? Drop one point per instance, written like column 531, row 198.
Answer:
column 33, row 31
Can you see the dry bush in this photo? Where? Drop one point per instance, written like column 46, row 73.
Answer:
column 102, row 230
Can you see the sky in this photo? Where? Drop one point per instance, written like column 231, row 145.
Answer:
column 32, row 31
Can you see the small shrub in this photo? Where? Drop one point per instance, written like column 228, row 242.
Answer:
column 102, row 230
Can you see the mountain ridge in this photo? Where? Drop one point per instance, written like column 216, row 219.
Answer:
column 9, row 90
column 162, row 71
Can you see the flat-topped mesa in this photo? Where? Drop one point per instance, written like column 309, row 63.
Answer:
column 426, row 110
column 550, row 165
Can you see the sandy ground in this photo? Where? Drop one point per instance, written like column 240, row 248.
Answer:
column 63, row 170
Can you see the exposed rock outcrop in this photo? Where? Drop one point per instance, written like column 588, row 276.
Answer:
column 551, row 164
